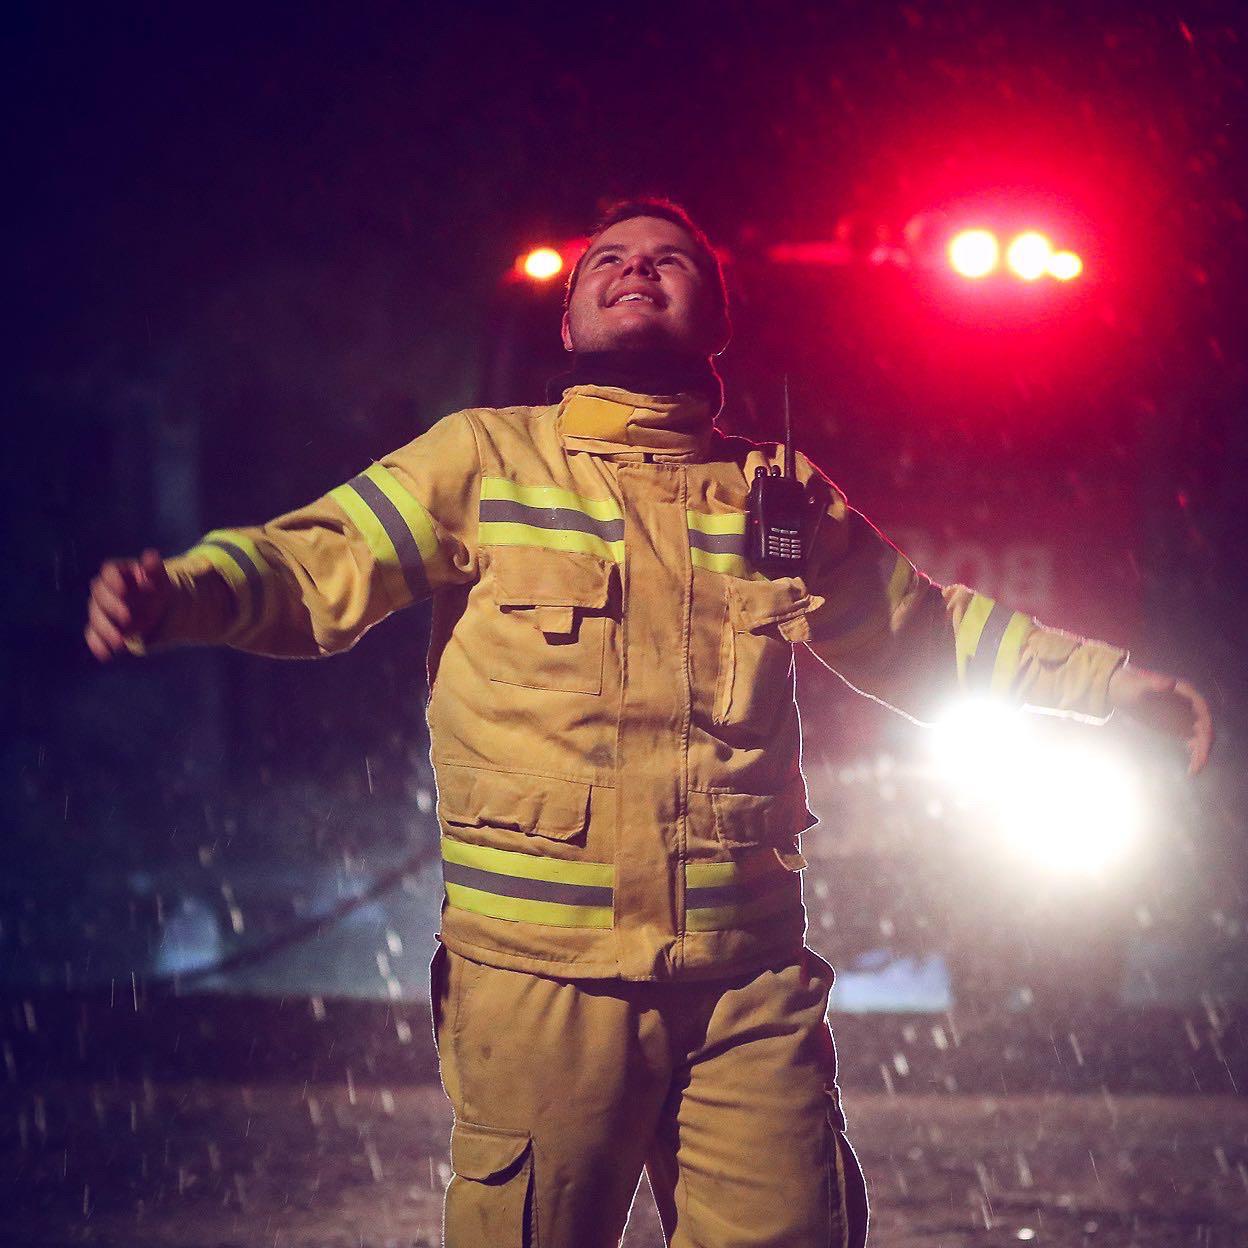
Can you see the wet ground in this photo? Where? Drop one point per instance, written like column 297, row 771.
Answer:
column 194, row 1163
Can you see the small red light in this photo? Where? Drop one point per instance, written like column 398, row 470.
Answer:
column 541, row 264
column 974, row 253
column 1029, row 255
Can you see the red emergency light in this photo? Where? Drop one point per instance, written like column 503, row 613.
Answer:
column 541, row 264
column 976, row 253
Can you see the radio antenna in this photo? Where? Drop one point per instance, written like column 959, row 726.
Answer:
column 790, row 468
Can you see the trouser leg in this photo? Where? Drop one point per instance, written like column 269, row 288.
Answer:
column 750, row 1150
column 557, row 1088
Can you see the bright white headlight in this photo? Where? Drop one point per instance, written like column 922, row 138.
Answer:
column 1057, row 798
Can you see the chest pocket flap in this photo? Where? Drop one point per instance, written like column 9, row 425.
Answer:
column 552, row 618
column 764, row 619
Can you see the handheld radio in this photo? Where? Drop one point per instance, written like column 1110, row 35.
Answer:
column 778, row 512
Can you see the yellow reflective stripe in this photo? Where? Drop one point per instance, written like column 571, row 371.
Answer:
column 549, row 496
column 899, row 581
column 723, row 522
column 377, row 539
column 527, row 866
column 228, row 568
column 243, row 542
column 717, row 874
column 417, row 519
column 729, row 565
column 522, row 910
column 969, row 630
column 782, row 893
column 719, row 918
column 510, row 533
column 1009, row 652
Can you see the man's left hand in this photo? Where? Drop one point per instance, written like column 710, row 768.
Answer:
column 1168, row 705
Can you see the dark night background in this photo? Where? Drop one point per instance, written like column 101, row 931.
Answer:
column 252, row 247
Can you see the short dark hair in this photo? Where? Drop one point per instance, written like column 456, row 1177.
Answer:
column 666, row 210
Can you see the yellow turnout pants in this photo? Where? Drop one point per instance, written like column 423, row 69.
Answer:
column 724, row 1090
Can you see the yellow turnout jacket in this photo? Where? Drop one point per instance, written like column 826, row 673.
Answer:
column 611, row 691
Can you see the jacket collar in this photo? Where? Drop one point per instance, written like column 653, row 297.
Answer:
column 606, row 420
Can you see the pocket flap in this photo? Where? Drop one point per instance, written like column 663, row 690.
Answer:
column 755, row 605
column 557, row 809
column 747, row 820
column 482, row 1153
column 532, row 577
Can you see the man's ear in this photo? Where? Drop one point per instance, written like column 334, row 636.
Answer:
column 566, row 333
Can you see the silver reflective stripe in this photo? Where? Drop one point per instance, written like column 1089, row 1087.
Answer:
column 718, row 543
column 504, row 511
column 519, row 886
column 410, row 563
column 253, row 575
column 979, row 666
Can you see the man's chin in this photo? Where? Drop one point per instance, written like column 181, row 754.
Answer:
column 640, row 338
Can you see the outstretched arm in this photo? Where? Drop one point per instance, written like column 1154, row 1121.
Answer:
column 897, row 636
column 313, row 581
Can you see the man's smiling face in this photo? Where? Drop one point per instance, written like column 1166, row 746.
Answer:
column 641, row 286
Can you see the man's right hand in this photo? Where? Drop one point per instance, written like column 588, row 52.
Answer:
column 129, row 597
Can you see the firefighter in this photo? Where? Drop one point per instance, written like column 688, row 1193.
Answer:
column 621, row 980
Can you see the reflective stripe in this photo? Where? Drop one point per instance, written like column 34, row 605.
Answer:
column 717, row 543
column 899, row 581
column 524, row 888
column 549, row 496
column 980, row 664
column 527, row 888
column 398, row 530
column 417, row 520
column 528, row 866
column 721, row 522
column 989, row 643
column 516, row 886
column 1010, row 651
column 724, row 895
column 239, row 560
column 728, row 565
column 503, row 511
column 966, row 640
column 763, row 900
column 522, row 910
column 546, row 516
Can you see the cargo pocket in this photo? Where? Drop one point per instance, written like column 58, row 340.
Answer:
column 762, row 621
column 490, row 1196
column 745, row 821
column 550, row 628
column 469, row 798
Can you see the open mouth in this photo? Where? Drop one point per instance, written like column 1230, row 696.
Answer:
column 634, row 298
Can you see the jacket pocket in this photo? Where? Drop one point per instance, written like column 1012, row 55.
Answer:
column 762, row 621
column 537, row 805
column 746, row 821
column 490, row 1198
column 551, row 623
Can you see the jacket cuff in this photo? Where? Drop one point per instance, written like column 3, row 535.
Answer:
column 199, row 613
column 1093, row 666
